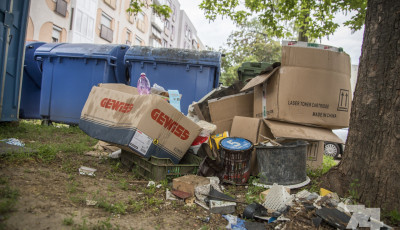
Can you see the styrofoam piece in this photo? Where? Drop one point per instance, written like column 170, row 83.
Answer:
column 277, row 198
column 302, row 194
column 83, row 170
column 293, row 186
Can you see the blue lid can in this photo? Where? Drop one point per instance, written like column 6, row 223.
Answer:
column 236, row 144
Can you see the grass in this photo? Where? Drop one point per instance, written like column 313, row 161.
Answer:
column 8, row 199
column 46, row 141
column 253, row 192
column 314, row 174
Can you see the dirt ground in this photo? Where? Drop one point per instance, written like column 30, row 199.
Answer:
column 53, row 196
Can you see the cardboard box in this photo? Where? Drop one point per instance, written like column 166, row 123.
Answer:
column 222, row 110
column 188, row 183
column 311, row 87
column 143, row 124
column 254, row 128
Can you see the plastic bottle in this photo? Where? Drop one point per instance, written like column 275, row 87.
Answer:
column 143, row 85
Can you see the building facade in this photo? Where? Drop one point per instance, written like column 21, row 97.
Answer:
column 108, row 22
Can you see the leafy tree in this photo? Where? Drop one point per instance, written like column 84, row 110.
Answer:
column 136, row 6
column 249, row 43
column 312, row 18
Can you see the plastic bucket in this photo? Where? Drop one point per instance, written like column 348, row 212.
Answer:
column 284, row 165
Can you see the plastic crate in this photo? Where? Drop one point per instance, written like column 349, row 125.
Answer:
column 160, row 168
column 249, row 70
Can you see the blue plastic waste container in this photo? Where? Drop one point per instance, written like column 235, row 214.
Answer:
column 69, row 73
column 13, row 23
column 193, row 73
column 31, row 83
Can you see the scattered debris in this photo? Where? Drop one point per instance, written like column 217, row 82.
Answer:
column 115, row 155
column 91, row 202
column 169, row 195
column 83, row 170
column 13, row 141
column 333, row 217
column 151, row 183
column 222, row 207
column 277, row 198
column 324, row 192
column 234, row 222
column 254, row 210
column 188, row 183
column 181, row 194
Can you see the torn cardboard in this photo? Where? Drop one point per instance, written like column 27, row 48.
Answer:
column 254, row 128
column 222, row 110
column 143, row 124
column 311, row 87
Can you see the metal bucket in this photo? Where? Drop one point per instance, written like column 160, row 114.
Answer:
column 284, row 165
column 235, row 155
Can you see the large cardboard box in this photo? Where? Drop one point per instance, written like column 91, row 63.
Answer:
column 222, row 110
column 254, row 129
column 311, row 87
column 143, row 124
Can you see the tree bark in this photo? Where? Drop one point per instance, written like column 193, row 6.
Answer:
column 372, row 153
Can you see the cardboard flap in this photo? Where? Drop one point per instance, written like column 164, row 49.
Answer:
column 245, row 127
column 288, row 130
column 120, row 87
column 258, row 80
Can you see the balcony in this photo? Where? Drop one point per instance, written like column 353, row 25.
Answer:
column 157, row 22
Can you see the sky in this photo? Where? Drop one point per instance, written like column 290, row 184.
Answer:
column 215, row 34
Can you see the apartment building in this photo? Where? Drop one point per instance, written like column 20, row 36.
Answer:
column 107, row 22
column 188, row 38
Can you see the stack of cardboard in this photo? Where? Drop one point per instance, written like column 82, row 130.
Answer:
column 304, row 98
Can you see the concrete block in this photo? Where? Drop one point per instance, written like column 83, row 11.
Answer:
column 188, row 183
column 222, row 207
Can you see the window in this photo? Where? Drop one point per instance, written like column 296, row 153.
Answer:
column 165, row 43
column 56, row 35
column 156, row 32
column 172, row 33
column 167, row 25
column 173, row 13
column 138, row 41
column 61, row 7
column 128, row 37
column 141, row 16
column 111, row 3
column 140, row 22
column 106, row 20
column 105, row 30
column 186, row 31
column 156, row 43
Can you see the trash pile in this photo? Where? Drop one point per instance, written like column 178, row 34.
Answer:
column 273, row 127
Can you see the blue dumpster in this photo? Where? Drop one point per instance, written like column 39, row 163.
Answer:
column 13, row 22
column 70, row 71
column 193, row 73
column 31, row 84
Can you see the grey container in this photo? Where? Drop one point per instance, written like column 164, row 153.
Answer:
column 284, row 165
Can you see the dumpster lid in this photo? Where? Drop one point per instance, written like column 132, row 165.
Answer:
column 170, row 55
column 84, row 50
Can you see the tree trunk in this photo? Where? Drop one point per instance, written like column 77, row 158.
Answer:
column 372, row 154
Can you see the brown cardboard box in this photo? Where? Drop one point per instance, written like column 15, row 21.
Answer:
column 311, row 87
column 143, row 124
column 254, row 128
column 222, row 110
column 188, row 183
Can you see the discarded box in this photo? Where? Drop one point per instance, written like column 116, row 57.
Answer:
column 254, row 128
column 144, row 124
column 188, row 183
column 312, row 87
column 222, row 207
column 222, row 110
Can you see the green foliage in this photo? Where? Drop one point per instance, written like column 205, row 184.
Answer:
column 250, row 43
column 315, row 174
column 394, row 217
column 117, row 208
column 253, row 192
column 353, row 190
column 314, row 18
column 136, row 6
column 8, row 197
column 69, row 221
